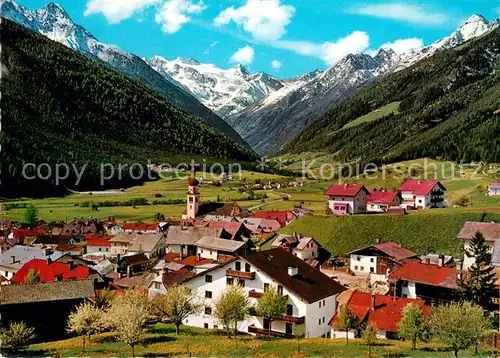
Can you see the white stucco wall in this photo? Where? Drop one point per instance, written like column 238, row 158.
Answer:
column 98, row 249
column 363, row 264
column 410, row 291
column 207, row 253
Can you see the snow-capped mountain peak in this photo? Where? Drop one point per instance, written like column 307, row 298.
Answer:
column 224, row 91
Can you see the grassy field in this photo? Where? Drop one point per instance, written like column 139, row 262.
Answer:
column 161, row 340
column 374, row 115
column 434, row 231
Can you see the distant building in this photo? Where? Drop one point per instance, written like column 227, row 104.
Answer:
column 305, row 248
column 347, row 198
column 381, row 258
column 140, row 228
column 490, row 231
column 494, row 189
column 283, row 217
column 49, row 271
column 129, row 243
column 422, row 194
column 12, row 260
column 381, row 201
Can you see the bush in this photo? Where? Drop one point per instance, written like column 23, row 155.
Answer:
column 17, row 336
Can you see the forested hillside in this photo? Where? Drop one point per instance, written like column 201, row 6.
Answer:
column 449, row 107
column 59, row 106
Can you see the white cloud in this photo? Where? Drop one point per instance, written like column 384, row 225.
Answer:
column 243, row 56
column 400, row 46
column 330, row 52
column 210, row 47
column 403, row 12
column 117, row 10
column 174, row 13
column 264, row 19
column 276, row 65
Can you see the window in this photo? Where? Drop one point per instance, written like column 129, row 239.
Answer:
column 208, row 278
column 208, row 294
column 247, row 267
column 319, row 304
column 210, row 252
column 266, row 287
column 372, row 260
column 319, row 321
column 289, row 310
column 356, row 268
column 323, row 319
column 362, row 268
column 323, row 303
column 238, row 266
column 190, row 199
column 241, row 282
column 208, row 310
column 405, row 283
column 100, row 249
column 358, row 258
column 229, row 281
column 280, row 289
column 205, row 325
column 372, row 269
column 157, row 286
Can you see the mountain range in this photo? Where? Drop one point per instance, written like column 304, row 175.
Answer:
column 53, row 22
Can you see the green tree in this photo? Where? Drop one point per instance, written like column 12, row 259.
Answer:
column 85, row 321
column 103, row 299
column 32, row 277
column 232, row 307
column 127, row 316
column 31, row 215
column 460, row 325
column 346, row 321
column 17, row 336
column 179, row 302
column 370, row 336
column 412, row 325
column 271, row 306
column 479, row 285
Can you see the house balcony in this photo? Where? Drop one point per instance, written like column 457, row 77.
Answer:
column 265, row 332
column 241, row 274
column 255, row 294
column 293, row 319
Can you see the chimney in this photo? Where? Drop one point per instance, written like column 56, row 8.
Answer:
column 378, row 240
column 427, row 261
column 12, row 259
column 373, row 302
column 441, row 260
column 198, row 257
column 458, row 265
column 129, row 271
column 71, row 264
column 292, row 271
column 117, row 259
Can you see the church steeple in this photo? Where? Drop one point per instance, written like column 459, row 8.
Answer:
column 193, row 197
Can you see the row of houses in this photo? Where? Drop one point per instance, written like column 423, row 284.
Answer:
column 412, row 194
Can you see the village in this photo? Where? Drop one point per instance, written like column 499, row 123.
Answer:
column 50, row 269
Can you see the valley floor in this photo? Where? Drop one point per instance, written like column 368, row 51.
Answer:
column 161, row 340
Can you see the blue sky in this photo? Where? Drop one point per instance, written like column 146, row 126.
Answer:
column 282, row 37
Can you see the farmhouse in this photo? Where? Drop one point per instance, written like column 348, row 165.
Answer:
column 220, row 249
column 53, row 271
column 422, row 194
column 305, row 248
column 432, row 283
column 347, row 198
column 384, row 312
column 182, row 239
column 311, row 295
column 380, row 259
column 129, row 243
column 12, row 260
column 381, row 201
column 140, row 228
column 494, row 189
column 283, row 217
column 490, row 231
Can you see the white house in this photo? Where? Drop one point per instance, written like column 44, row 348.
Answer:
column 312, row 296
column 379, row 259
column 490, row 231
column 494, row 189
column 305, row 248
column 100, row 246
column 13, row 259
column 129, row 243
column 347, row 198
column 216, row 249
column 182, row 239
column 381, row 201
column 422, row 194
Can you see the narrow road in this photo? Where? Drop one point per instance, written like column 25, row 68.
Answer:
column 268, row 203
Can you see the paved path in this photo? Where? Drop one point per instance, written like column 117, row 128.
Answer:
column 268, row 203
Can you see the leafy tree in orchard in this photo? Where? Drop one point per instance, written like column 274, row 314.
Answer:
column 370, row 336
column 32, row 277
column 31, row 215
column 346, row 321
column 232, row 307
column 179, row 302
column 17, row 336
column 479, row 285
column 460, row 325
column 85, row 321
column 271, row 306
column 412, row 326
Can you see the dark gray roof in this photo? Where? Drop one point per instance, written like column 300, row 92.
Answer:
column 45, row 292
column 495, row 258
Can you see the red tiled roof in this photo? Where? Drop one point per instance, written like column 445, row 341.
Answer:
column 392, row 249
column 433, row 275
column 97, row 242
column 139, row 226
column 490, row 230
column 22, row 233
column 419, row 187
column 280, row 216
column 90, row 237
column 345, row 190
column 49, row 272
column 195, row 261
column 387, row 313
column 229, row 226
column 382, row 197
